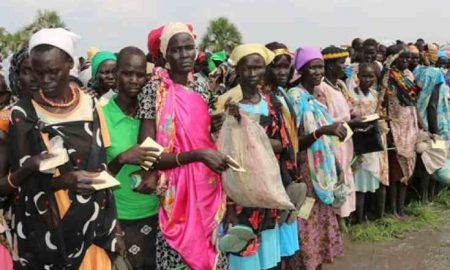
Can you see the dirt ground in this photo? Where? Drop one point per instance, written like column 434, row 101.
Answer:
column 428, row 249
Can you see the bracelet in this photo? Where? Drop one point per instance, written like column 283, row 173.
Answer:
column 315, row 135
column 177, row 159
column 10, row 182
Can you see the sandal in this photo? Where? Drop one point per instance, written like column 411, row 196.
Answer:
column 244, row 233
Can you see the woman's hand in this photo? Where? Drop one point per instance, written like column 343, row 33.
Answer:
column 78, row 181
column 356, row 122
column 277, row 146
column 215, row 160
column 335, row 129
column 34, row 162
column 90, row 92
column 139, row 156
column 149, row 182
column 217, row 122
column 233, row 109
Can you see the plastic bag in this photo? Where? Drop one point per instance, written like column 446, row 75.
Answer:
column 260, row 185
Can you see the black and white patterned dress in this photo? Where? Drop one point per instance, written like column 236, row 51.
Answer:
column 45, row 239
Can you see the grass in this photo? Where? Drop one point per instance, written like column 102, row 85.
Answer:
column 420, row 217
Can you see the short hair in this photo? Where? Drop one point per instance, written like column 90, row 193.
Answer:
column 130, row 50
column 354, row 41
column 275, row 46
column 372, row 65
column 370, row 42
column 47, row 47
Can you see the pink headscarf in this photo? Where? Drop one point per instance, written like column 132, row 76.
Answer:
column 304, row 55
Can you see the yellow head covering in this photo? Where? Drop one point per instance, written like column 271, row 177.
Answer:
column 244, row 50
column 91, row 52
column 413, row 49
column 170, row 30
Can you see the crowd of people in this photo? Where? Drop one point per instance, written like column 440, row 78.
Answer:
column 356, row 131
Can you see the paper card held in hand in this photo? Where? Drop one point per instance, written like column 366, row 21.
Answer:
column 149, row 142
column 349, row 134
column 60, row 157
column 234, row 165
column 438, row 144
column 105, row 180
column 370, row 118
column 306, row 208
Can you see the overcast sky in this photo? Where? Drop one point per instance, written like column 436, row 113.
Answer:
column 113, row 24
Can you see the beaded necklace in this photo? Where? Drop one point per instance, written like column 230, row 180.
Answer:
column 59, row 105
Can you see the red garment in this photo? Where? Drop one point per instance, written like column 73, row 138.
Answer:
column 154, row 41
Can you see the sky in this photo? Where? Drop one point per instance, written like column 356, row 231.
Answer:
column 114, row 24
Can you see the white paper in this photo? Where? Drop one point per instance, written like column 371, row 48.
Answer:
column 149, row 142
column 305, row 209
column 370, row 118
column 56, row 148
column 105, row 180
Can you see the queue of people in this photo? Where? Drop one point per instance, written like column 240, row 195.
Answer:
column 344, row 126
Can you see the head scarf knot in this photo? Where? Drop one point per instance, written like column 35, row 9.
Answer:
column 304, row 55
column 244, row 50
column 57, row 37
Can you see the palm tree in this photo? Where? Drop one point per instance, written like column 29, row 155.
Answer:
column 11, row 42
column 221, row 35
column 4, row 36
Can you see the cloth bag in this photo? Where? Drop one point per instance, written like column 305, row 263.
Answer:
column 260, row 186
column 432, row 158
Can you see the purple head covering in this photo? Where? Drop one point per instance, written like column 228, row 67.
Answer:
column 305, row 55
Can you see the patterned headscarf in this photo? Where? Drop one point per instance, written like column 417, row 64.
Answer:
column 14, row 69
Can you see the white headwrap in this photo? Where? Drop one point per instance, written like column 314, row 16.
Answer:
column 57, row 37
column 170, row 30
column 388, row 43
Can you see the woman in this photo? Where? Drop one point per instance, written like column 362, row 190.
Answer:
column 336, row 96
column 137, row 212
column 370, row 169
column 22, row 85
column 319, row 235
column 433, row 109
column 277, row 77
column 103, row 69
column 415, row 57
column 62, row 210
column 401, row 110
column 174, row 111
column 262, row 253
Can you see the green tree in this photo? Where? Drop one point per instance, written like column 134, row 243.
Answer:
column 11, row 42
column 221, row 35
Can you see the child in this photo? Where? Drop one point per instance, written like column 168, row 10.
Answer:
column 371, row 168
